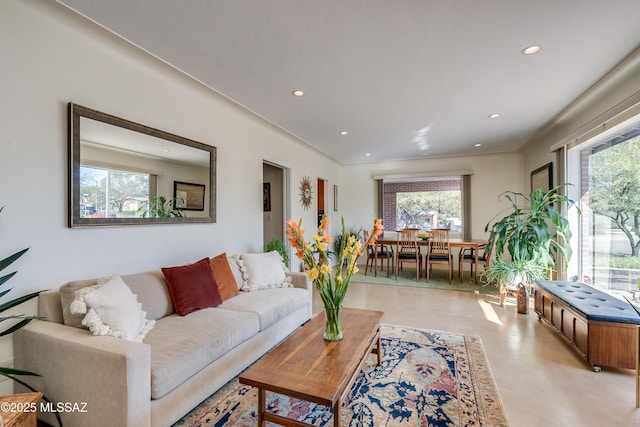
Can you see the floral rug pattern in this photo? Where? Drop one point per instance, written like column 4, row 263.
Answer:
column 427, row 378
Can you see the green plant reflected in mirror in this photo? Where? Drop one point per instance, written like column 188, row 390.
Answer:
column 125, row 173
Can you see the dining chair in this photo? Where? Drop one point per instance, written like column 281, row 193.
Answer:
column 439, row 251
column 467, row 255
column 377, row 252
column 408, row 250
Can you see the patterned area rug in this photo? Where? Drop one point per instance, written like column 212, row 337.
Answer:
column 427, row 378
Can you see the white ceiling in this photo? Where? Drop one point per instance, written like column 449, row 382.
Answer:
column 405, row 78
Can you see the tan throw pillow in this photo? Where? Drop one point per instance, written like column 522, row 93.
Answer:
column 223, row 276
column 67, row 295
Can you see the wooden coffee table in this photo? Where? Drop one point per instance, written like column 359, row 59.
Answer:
column 307, row 367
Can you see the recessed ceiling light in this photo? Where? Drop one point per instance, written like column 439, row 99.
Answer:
column 529, row 50
column 298, row 92
column 494, row 116
column 477, row 145
column 367, row 154
column 344, row 132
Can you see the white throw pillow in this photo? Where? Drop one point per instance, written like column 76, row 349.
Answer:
column 112, row 309
column 263, row 271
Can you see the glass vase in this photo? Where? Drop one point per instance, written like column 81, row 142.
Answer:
column 332, row 328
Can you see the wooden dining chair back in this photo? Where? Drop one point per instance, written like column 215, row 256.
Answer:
column 377, row 252
column 439, row 251
column 408, row 250
column 468, row 256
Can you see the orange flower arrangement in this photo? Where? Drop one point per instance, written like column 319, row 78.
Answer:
column 331, row 285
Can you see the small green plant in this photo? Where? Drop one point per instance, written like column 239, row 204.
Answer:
column 337, row 241
column 160, row 207
column 507, row 271
column 277, row 245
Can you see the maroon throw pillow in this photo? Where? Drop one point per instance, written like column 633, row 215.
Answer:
column 192, row 287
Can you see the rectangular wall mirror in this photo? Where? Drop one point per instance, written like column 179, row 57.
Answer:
column 125, row 173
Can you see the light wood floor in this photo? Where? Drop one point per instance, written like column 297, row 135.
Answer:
column 541, row 381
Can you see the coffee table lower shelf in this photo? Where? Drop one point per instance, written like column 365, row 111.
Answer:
column 305, row 366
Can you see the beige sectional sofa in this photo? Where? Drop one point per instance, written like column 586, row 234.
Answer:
column 180, row 362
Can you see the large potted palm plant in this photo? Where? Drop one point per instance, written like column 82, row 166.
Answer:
column 533, row 232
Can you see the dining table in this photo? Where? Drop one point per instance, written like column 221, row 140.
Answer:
column 390, row 239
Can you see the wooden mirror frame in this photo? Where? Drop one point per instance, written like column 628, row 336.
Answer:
column 76, row 112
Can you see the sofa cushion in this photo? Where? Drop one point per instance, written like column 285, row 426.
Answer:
column 271, row 305
column 176, row 355
column 111, row 309
column 263, row 271
column 152, row 292
column 192, row 287
column 223, row 276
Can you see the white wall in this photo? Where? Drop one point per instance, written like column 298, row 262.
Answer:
column 50, row 56
column 613, row 94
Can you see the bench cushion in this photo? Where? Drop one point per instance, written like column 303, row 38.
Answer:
column 591, row 302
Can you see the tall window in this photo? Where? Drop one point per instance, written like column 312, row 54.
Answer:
column 423, row 203
column 609, row 236
column 112, row 193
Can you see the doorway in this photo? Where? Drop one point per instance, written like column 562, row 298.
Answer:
column 322, row 198
column 275, row 203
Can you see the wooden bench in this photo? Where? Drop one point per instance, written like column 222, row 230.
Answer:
column 602, row 329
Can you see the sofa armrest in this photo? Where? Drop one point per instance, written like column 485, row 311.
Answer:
column 300, row 280
column 111, row 375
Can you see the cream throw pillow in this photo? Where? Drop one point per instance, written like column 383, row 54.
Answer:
column 263, row 271
column 111, row 309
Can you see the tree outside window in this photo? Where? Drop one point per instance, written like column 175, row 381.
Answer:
column 429, row 209
column 112, row 193
column 611, row 228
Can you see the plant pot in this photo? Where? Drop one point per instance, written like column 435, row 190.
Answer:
column 513, row 279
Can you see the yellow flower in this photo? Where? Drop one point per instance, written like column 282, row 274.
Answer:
column 355, row 269
column 313, row 274
column 332, row 289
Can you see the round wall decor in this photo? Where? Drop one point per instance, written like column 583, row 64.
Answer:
column 306, row 192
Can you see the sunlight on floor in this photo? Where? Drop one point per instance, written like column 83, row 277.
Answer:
column 489, row 312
